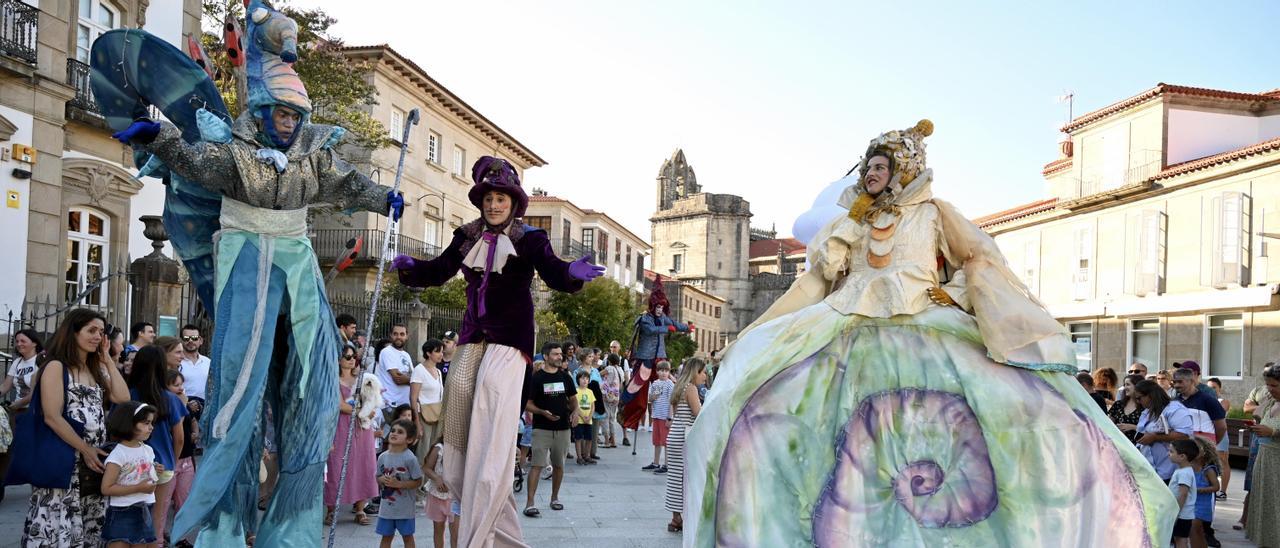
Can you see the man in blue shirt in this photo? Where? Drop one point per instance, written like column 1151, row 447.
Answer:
column 1209, row 415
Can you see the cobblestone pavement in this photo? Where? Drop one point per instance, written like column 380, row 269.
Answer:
column 612, row 504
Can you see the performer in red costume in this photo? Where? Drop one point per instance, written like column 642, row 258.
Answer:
column 648, row 346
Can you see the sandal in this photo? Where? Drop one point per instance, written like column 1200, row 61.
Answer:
column 555, row 505
column 675, row 526
column 1238, row 526
column 328, row 517
column 532, row 512
column 362, row 518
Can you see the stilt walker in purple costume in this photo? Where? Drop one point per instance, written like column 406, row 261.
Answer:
column 498, row 256
column 274, row 339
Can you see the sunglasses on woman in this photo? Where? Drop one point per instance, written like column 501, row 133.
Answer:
column 348, row 356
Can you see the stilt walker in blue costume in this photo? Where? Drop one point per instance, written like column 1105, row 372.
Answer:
column 275, row 341
column 908, row 390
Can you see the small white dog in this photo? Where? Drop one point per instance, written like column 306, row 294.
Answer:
column 370, row 400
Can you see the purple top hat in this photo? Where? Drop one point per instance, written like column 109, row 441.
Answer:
column 491, row 173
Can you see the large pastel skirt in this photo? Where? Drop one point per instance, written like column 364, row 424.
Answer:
column 831, row 430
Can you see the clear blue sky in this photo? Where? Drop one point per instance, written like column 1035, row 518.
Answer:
column 773, row 100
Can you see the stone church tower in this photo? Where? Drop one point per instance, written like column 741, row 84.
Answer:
column 703, row 240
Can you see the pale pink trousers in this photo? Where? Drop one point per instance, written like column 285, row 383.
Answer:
column 483, row 474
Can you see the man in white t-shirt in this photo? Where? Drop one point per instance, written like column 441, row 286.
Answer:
column 395, row 369
column 194, row 366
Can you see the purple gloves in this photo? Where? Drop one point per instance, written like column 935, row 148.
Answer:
column 402, row 262
column 582, row 269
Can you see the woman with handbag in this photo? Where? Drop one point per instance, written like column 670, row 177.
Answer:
column 426, row 394
column 1163, row 420
column 59, row 446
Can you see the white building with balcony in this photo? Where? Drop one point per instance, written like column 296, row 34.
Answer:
column 1153, row 244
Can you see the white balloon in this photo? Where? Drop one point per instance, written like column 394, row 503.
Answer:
column 824, row 209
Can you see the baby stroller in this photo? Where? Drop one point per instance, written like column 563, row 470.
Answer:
column 518, row 484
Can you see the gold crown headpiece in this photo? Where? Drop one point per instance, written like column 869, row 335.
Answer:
column 907, row 147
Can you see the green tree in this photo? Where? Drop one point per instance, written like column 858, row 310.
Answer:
column 550, row 328
column 453, row 294
column 335, row 84
column 679, row 347
column 602, row 312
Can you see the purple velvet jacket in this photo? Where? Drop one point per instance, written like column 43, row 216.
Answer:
column 509, row 298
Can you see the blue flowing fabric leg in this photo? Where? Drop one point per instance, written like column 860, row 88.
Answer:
column 223, row 497
column 304, row 433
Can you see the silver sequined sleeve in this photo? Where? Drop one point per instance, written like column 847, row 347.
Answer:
column 345, row 187
column 210, row 165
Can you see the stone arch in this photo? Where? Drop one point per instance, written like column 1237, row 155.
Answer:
column 105, row 187
column 7, row 128
column 99, row 181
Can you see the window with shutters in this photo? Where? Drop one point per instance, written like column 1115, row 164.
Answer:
column 396, row 127
column 1144, row 342
column 433, row 147
column 1082, row 264
column 1230, row 245
column 602, row 241
column 1082, row 340
column 88, row 242
column 1030, row 272
column 459, row 161
column 566, row 236
column 95, row 19
column 1224, row 345
column 589, row 238
column 539, row 222
column 431, row 230
column 677, row 263
column 1149, row 268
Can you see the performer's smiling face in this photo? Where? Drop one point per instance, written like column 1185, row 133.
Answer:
column 497, row 207
column 877, row 176
column 285, row 121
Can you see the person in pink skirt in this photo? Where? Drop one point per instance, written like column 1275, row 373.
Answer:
column 360, row 484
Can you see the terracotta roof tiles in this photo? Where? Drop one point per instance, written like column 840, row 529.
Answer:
column 1016, row 212
column 1225, row 157
column 769, row 248
column 1056, row 166
column 1161, row 89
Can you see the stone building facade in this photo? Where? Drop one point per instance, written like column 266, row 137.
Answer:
column 702, row 240
column 72, row 201
column 448, row 139
column 576, row 231
column 1154, row 243
column 692, row 305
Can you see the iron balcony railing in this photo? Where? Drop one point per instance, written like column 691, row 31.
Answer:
column 19, row 25
column 78, row 77
column 331, row 243
column 571, row 249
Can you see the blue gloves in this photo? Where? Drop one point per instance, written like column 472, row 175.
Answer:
column 395, row 202
column 141, row 132
column 403, row 262
column 582, row 269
